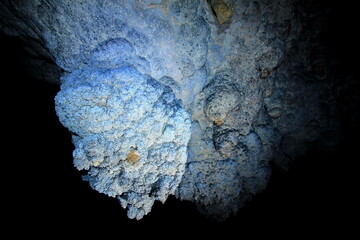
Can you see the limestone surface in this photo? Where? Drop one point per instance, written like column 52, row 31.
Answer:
column 194, row 98
column 129, row 132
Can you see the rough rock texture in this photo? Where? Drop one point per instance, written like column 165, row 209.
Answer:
column 129, row 132
column 249, row 77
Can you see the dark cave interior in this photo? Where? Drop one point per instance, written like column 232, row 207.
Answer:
column 49, row 193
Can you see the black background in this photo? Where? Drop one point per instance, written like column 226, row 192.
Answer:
column 44, row 192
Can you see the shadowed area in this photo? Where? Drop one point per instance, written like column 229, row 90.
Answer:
column 318, row 187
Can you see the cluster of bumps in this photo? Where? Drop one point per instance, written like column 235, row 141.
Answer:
column 129, row 131
column 181, row 97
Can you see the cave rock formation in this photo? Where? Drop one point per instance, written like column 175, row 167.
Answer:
column 191, row 98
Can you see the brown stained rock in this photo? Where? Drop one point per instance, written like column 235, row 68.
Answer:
column 223, row 12
column 133, row 157
column 218, row 121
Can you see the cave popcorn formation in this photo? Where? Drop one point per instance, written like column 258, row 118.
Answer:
column 130, row 133
column 182, row 97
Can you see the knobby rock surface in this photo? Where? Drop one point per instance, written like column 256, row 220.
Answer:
column 193, row 98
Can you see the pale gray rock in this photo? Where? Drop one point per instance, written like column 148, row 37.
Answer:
column 191, row 98
column 130, row 133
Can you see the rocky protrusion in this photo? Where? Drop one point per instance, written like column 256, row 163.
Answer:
column 130, row 132
column 222, row 97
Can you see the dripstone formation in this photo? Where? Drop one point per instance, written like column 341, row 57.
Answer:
column 191, row 98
